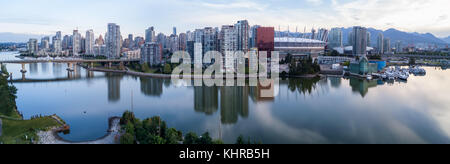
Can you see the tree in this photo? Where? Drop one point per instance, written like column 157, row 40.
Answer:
column 240, row 140
column 190, row 138
column 167, row 69
column 127, row 139
column 334, row 53
column 412, row 61
column 127, row 116
column 205, row 139
column 172, row 136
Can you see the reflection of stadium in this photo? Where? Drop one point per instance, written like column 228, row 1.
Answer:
column 151, row 86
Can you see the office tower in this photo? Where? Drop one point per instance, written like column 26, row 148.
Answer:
column 76, row 43
column 58, row 35
column 322, row 35
column 228, row 39
column 182, row 42
column 242, row 31
column 130, row 41
column 151, row 53
column 209, row 39
column 45, row 43
column 380, row 43
column 265, row 40
column 335, row 38
column 369, row 43
column 190, row 49
column 32, row 46
column 66, row 42
column 359, row 41
column 83, row 45
column 173, row 43
column 162, row 39
column 198, row 55
column 198, row 35
column 57, row 44
column 150, row 35
column 252, row 40
column 139, row 41
column 100, row 41
column 350, row 38
column 113, row 41
column 398, row 47
column 89, row 44
column 174, row 31
column 387, row 45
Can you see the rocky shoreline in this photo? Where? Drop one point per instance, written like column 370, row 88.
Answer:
column 112, row 136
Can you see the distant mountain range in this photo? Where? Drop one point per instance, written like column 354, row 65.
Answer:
column 447, row 39
column 406, row 38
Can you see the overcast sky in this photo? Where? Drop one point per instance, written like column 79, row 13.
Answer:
column 134, row 16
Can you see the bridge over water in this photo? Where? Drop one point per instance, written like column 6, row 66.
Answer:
column 70, row 62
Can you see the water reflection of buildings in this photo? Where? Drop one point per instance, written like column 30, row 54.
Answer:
column 152, row 86
column 33, row 68
column 113, row 81
column 206, row 99
column 44, row 68
column 234, row 101
column 57, row 69
column 362, row 86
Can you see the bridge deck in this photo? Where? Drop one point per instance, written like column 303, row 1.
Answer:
column 68, row 60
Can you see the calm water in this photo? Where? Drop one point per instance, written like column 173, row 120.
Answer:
column 332, row 110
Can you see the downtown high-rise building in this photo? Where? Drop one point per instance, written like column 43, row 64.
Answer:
column 151, row 53
column 174, row 31
column 113, row 41
column 380, row 43
column 335, row 38
column 252, row 39
column 182, row 41
column 242, row 31
column 150, row 35
column 265, row 40
column 387, row 45
column 131, row 44
column 210, row 39
column 228, row 39
column 359, row 36
column 45, row 43
column 369, row 37
column 89, row 42
column 76, row 43
column 56, row 44
column 322, row 35
column 33, row 46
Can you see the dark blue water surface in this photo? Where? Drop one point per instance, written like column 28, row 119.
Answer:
column 330, row 110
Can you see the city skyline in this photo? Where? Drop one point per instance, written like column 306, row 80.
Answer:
column 22, row 16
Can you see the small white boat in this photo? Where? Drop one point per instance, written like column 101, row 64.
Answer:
column 369, row 77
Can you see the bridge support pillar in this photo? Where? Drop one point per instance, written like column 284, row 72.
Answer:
column 70, row 67
column 92, row 65
column 109, row 64
column 122, row 66
column 23, row 70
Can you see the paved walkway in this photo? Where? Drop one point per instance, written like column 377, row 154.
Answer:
column 52, row 137
column 0, row 127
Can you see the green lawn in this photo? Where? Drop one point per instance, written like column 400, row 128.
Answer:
column 14, row 131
